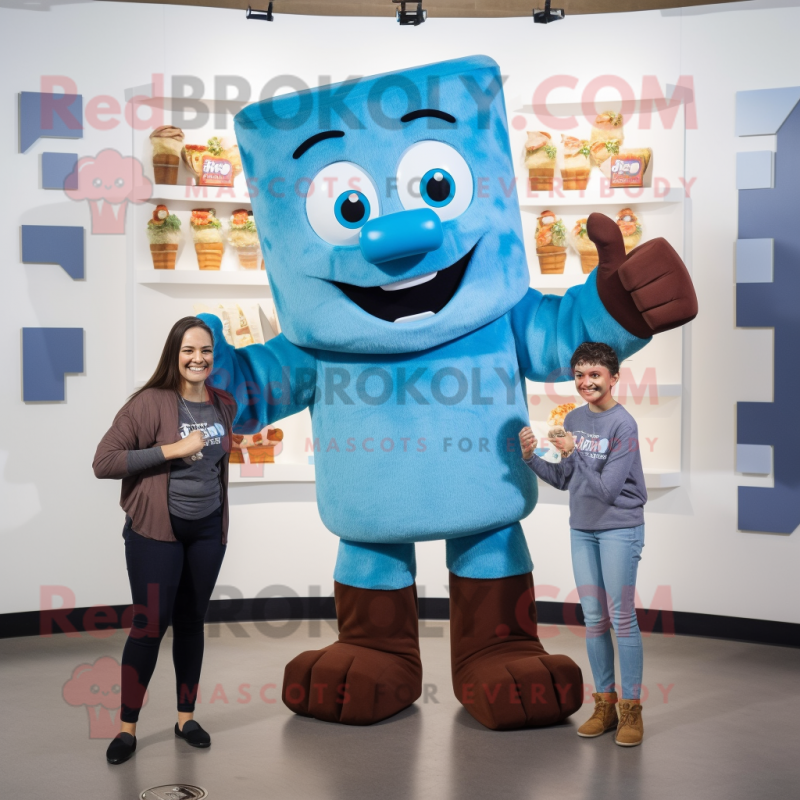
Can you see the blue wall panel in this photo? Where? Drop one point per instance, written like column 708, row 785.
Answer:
column 48, row 353
column 773, row 213
column 46, row 114
column 55, row 244
column 58, row 171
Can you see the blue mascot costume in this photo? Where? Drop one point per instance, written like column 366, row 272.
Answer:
column 391, row 230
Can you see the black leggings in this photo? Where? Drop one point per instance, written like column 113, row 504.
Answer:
column 171, row 582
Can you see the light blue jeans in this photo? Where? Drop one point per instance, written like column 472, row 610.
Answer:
column 605, row 565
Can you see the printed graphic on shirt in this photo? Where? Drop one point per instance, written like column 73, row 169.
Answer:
column 593, row 445
column 212, row 433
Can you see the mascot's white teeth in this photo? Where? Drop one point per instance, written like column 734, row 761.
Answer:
column 415, row 317
column 407, row 283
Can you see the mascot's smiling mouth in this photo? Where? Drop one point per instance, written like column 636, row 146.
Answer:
column 412, row 298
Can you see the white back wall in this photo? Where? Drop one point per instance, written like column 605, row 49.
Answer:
column 60, row 526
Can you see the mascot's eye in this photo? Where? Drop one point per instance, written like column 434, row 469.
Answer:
column 340, row 199
column 434, row 175
column 94, row 688
column 119, row 183
column 115, row 688
column 97, row 182
column 351, row 209
column 437, row 187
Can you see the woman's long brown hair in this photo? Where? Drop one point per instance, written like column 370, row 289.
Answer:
column 167, row 374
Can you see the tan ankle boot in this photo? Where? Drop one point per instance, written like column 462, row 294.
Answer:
column 604, row 717
column 631, row 728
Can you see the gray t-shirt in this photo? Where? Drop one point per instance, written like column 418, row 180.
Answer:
column 604, row 473
column 195, row 490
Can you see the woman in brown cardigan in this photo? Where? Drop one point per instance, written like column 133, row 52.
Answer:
column 170, row 445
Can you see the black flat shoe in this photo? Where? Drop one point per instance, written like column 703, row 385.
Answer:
column 122, row 747
column 193, row 734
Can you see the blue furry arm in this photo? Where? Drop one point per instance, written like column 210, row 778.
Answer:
column 269, row 381
column 548, row 328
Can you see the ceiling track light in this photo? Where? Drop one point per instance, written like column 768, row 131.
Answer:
column 265, row 16
column 548, row 15
column 405, row 17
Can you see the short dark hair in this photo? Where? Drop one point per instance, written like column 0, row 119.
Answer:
column 597, row 353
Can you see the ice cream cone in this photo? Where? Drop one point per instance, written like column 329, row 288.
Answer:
column 541, row 179
column 165, row 167
column 631, row 241
column 209, row 254
column 551, row 259
column 248, row 256
column 164, row 255
column 575, row 178
column 588, row 262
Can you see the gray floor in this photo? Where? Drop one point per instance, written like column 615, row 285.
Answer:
column 728, row 729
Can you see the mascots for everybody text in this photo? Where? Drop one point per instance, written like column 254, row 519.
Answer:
column 391, row 231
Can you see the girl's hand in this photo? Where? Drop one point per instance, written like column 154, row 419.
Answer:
column 527, row 442
column 564, row 444
column 184, row 448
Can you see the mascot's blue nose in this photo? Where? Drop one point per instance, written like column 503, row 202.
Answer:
column 405, row 233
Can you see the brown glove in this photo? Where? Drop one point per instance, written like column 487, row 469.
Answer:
column 649, row 290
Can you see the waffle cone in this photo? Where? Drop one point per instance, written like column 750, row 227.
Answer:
column 248, row 256
column 575, row 178
column 209, row 254
column 631, row 242
column 588, row 262
column 165, row 167
column 551, row 259
column 164, row 255
column 541, row 179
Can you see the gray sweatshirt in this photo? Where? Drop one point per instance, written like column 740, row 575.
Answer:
column 604, row 473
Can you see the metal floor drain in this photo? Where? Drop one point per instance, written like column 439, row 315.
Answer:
column 174, row 791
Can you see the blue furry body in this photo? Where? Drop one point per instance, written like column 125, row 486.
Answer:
column 438, row 460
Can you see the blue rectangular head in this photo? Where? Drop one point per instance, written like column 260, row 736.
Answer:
column 387, row 207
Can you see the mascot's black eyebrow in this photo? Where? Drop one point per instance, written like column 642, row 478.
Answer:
column 316, row 138
column 428, row 112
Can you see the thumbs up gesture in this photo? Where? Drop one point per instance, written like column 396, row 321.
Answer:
column 647, row 291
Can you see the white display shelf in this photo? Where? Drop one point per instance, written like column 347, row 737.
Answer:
column 304, row 473
column 661, row 479
column 567, row 388
column 594, row 196
column 275, row 473
column 196, row 277
column 182, row 193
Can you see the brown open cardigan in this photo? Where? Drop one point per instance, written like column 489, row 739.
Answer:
column 151, row 420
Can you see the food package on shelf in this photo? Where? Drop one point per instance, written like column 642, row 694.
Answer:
column 241, row 321
column 259, row 448
column 213, row 164
column 628, row 168
column 164, row 235
column 244, row 319
column 217, row 311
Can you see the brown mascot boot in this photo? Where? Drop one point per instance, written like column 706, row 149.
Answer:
column 631, row 728
column 372, row 672
column 604, row 718
column 501, row 673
